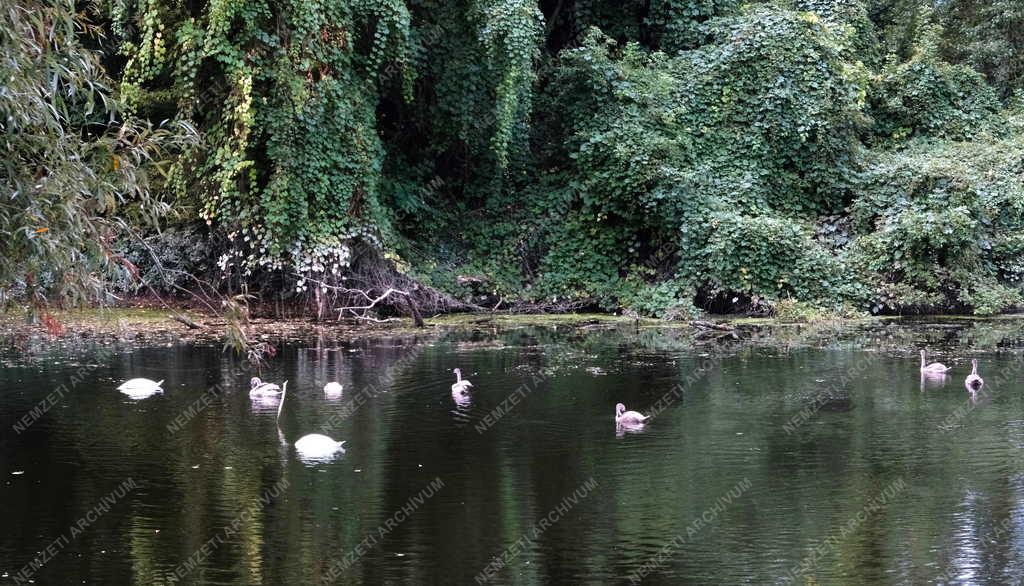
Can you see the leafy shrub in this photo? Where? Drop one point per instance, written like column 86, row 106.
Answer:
column 763, row 119
column 936, row 219
column 790, row 310
column 666, row 299
column 775, row 258
column 172, row 260
column 676, row 24
column 986, row 34
column 924, row 97
column 851, row 21
column 287, row 94
column 989, row 297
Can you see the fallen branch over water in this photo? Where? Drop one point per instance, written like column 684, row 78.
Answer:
column 186, row 321
column 360, row 311
column 710, row 325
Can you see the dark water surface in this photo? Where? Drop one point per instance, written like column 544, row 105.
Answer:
column 799, row 456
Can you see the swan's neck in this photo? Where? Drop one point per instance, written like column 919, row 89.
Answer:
column 458, row 377
column 922, row 359
column 974, row 368
column 280, row 406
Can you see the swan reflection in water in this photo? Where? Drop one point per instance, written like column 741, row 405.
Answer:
column 621, row 430
column 933, row 380
column 463, row 400
column 265, row 403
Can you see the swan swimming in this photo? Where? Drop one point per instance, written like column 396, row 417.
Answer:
column 140, row 384
column 140, row 388
column 934, row 367
column 462, row 398
column 317, row 446
column 333, row 389
column 258, row 388
column 623, row 417
column 973, row 381
column 313, row 446
column 460, row 385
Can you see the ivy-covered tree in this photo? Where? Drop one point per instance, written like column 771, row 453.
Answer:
column 988, row 35
column 292, row 98
column 640, row 155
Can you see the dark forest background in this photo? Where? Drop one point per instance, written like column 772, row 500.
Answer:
column 660, row 157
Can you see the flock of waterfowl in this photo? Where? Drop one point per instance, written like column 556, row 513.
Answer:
column 311, row 446
column 317, row 446
column 973, row 382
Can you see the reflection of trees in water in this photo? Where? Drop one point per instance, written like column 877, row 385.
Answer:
column 895, row 335
column 808, row 482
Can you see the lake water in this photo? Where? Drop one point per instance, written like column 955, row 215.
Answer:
column 799, row 455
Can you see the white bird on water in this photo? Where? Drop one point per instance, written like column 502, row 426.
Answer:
column 628, row 418
column 333, row 390
column 314, row 446
column 973, row 382
column 460, row 385
column 934, row 367
column 140, row 388
column 258, row 388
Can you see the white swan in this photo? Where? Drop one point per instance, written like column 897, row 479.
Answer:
column 140, row 388
column 462, row 397
column 934, row 367
column 258, row 388
column 623, row 417
column 460, row 385
column 314, row 446
column 973, row 381
column 333, row 389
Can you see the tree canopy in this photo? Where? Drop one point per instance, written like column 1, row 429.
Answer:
column 76, row 177
column 853, row 155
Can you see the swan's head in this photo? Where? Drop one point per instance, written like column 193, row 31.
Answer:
column 255, row 382
column 974, row 362
column 457, row 371
column 922, row 353
column 619, row 408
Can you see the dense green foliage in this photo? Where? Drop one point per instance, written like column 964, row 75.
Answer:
column 987, row 35
column 75, row 175
column 923, row 97
column 853, row 155
column 940, row 223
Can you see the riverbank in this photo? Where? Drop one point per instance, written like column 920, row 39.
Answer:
column 148, row 324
